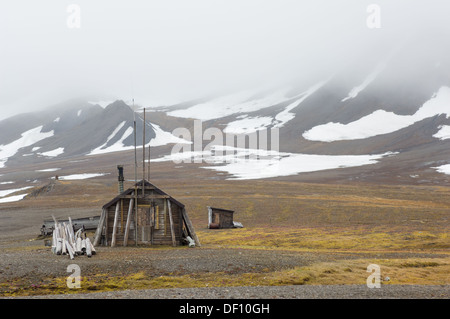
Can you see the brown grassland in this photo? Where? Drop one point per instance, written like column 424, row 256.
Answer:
column 402, row 228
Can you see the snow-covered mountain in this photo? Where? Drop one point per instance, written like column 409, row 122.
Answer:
column 74, row 128
column 395, row 108
column 389, row 113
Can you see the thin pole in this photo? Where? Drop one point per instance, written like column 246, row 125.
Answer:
column 143, row 155
column 135, row 180
column 135, row 154
column 148, row 162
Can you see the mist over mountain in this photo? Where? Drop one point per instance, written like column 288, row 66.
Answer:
column 336, row 89
column 168, row 53
column 380, row 112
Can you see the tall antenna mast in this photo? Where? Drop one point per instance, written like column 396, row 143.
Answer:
column 135, row 154
column 143, row 155
column 149, row 161
column 135, row 177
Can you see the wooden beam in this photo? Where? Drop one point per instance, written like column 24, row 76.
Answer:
column 189, row 227
column 99, row 231
column 172, row 231
column 127, row 227
column 121, row 217
column 106, row 226
column 116, row 217
column 148, row 196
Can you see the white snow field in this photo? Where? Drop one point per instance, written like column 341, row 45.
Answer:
column 381, row 122
column 245, row 164
column 53, row 153
column 11, row 199
column 252, row 124
column 28, row 138
column 444, row 169
column 4, row 198
column 48, row 170
column 81, row 176
column 6, row 192
column 248, row 125
column 232, row 104
column 443, row 133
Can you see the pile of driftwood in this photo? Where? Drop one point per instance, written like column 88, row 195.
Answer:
column 67, row 242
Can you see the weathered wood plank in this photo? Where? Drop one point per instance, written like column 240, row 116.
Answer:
column 127, row 227
column 99, row 231
column 116, row 218
column 172, row 231
column 189, row 227
column 147, row 196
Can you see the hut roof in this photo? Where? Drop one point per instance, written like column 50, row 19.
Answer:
column 138, row 186
column 221, row 209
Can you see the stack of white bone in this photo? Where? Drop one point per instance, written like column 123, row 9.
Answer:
column 66, row 242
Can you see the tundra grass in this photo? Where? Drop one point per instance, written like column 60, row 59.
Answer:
column 417, row 271
column 321, row 239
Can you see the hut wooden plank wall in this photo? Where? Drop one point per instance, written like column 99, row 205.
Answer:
column 220, row 218
column 157, row 219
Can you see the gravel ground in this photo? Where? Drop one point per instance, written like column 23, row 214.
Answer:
column 274, row 292
column 30, row 261
column 38, row 261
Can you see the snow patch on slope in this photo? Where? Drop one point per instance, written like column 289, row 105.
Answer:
column 11, row 199
column 231, row 104
column 245, row 164
column 161, row 138
column 6, row 192
column 117, row 146
column 81, row 176
column 285, row 116
column 248, row 125
column 444, row 169
column 372, row 76
column 380, row 121
column 28, row 138
column 48, row 170
column 443, row 133
column 53, row 153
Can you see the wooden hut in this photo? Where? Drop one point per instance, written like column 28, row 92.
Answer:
column 220, row 218
column 144, row 214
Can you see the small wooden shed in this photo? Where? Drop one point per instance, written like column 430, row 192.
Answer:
column 220, row 218
column 144, row 214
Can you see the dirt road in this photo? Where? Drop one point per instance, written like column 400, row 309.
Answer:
column 274, row 292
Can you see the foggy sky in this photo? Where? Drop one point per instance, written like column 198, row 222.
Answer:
column 167, row 51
